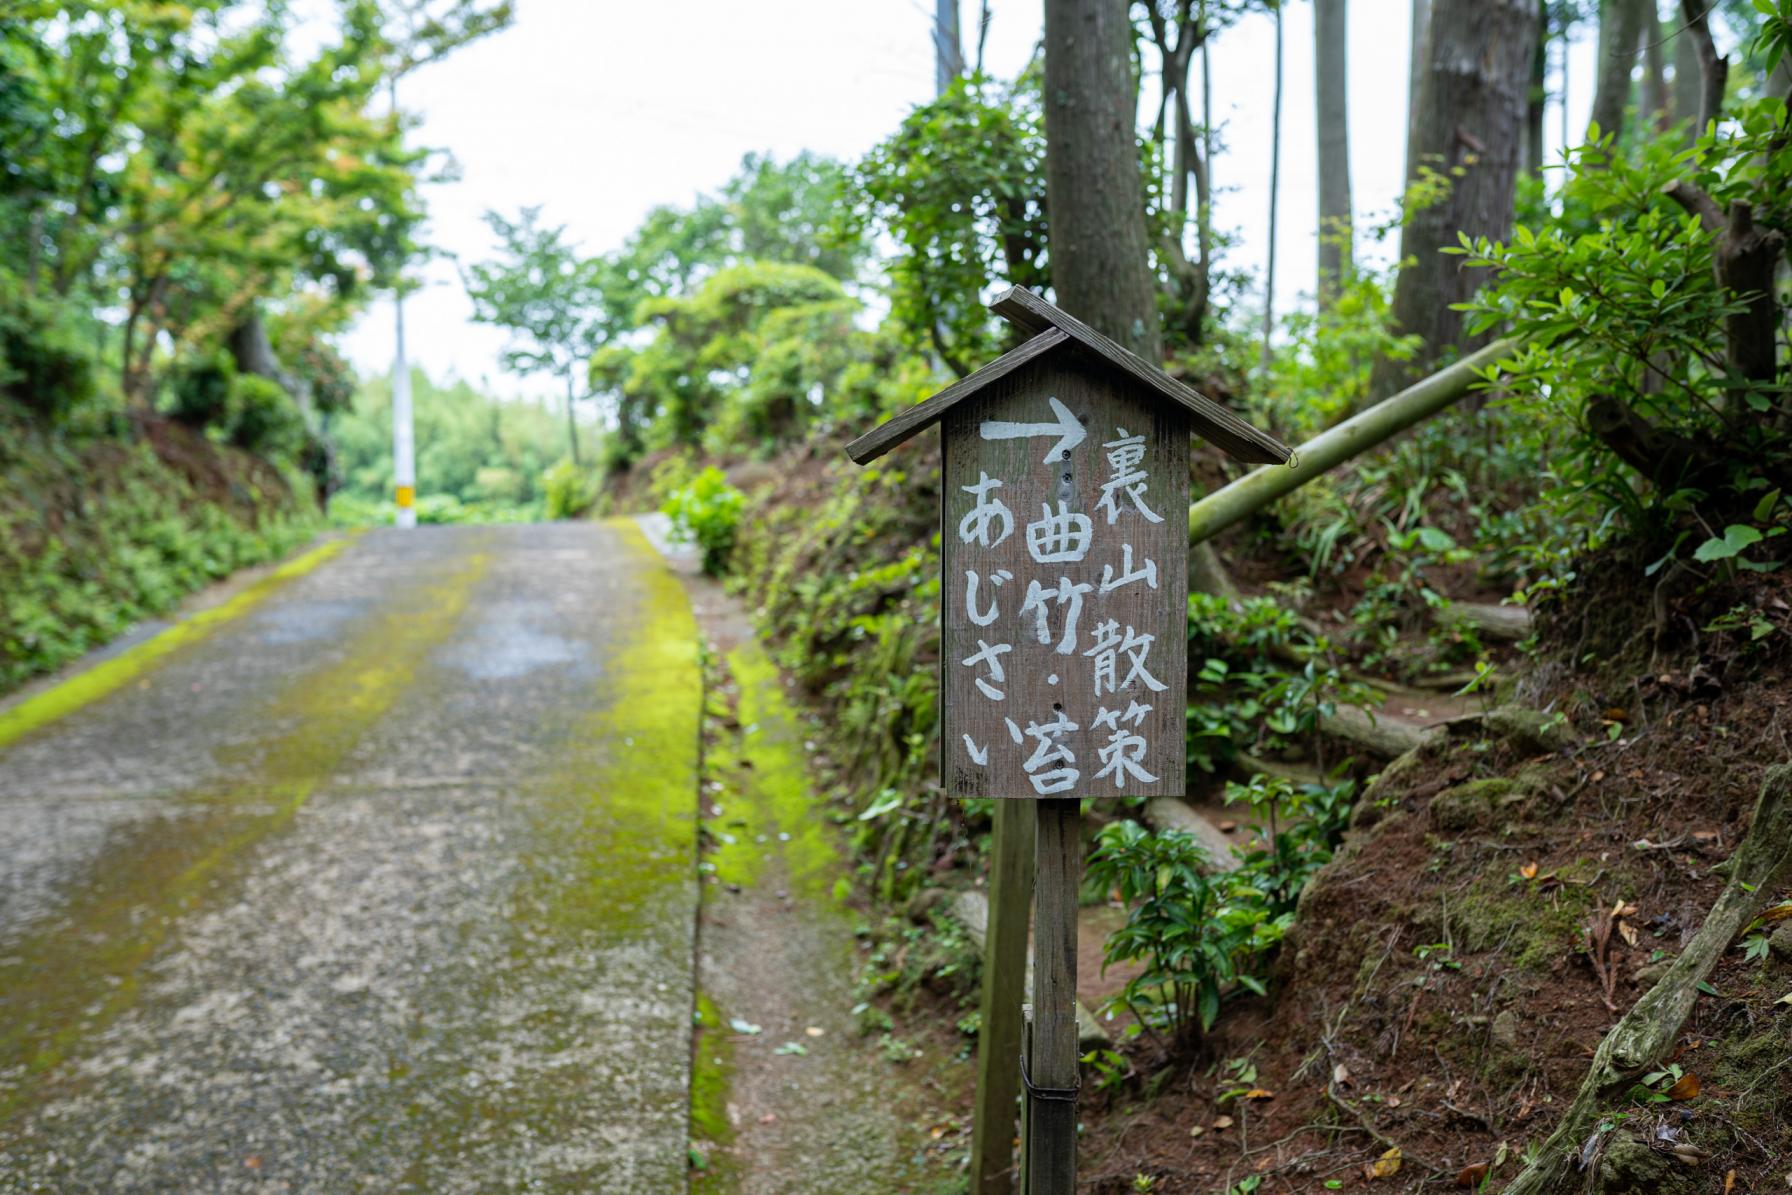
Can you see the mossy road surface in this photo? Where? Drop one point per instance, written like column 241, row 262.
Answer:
column 386, row 884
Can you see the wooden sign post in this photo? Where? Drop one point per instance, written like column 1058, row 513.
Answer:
column 1064, row 641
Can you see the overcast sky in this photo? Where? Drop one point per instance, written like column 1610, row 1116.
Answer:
column 598, row 110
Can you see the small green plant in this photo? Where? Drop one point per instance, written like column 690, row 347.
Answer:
column 567, row 490
column 1440, row 955
column 706, row 511
column 1197, row 934
column 1111, row 1068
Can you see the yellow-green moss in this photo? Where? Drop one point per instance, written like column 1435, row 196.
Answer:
column 107, row 676
column 1533, row 928
column 77, row 975
column 775, row 798
column 631, row 773
column 712, row 1067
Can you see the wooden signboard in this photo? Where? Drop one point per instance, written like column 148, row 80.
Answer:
column 1065, row 561
column 1063, row 659
column 1065, row 541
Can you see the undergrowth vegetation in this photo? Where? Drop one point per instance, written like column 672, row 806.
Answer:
column 97, row 532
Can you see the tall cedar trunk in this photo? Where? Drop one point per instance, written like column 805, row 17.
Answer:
column 1686, row 78
column 1654, row 108
column 948, row 46
column 1714, row 68
column 1099, row 266
column 1416, row 51
column 1471, row 112
column 1537, row 99
column 1275, row 192
column 1331, row 90
column 1620, row 35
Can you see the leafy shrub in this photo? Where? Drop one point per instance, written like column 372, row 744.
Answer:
column 42, row 367
column 1301, row 825
column 707, row 512
column 199, row 390
column 1196, row 933
column 567, row 490
column 264, row 420
column 1650, row 333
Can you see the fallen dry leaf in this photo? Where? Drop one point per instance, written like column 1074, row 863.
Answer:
column 1729, row 1182
column 1472, row 1176
column 1777, row 913
column 1341, row 1073
column 1628, row 931
column 1259, row 1093
column 1685, row 1088
column 1387, row 1165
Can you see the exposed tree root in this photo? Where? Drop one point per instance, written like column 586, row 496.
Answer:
column 1647, row 1032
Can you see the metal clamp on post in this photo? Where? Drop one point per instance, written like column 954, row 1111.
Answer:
column 1065, row 1095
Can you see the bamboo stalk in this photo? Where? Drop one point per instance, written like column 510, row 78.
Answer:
column 1332, row 447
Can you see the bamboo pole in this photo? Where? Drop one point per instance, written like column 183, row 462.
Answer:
column 1332, row 447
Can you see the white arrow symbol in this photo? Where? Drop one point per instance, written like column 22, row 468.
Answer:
column 1069, row 431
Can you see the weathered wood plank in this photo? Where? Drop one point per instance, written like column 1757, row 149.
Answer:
column 970, row 909
column 1002, row 688
column 1051, row 1141
column 1007, row 974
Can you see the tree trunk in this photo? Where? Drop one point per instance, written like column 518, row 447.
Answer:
column 1620, row 33
column 948, row 46
column 1275, row 190
column 1093, row 190
column 1331, row 59
column 1686, row 80
column 1714, row 69
column 1418, row 49
column 1471, row 109
column 1656, row 113
column 1537, row 99
column 253, row 353
column 572, row 426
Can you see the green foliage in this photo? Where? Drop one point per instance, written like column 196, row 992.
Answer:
column 706, row 512
column 200, row 389
column 1262, row 681
column 486, row 453
column 1197, row 934
column 97, row 533
column 1299, row 827
column 1631, row 340
column 960, row 188
column 567, row 491
column 43, row 368
column 263, row 419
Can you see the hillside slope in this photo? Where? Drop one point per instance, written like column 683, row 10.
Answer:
column 101, row 529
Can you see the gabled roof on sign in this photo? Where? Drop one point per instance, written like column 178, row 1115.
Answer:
column 1048, row 329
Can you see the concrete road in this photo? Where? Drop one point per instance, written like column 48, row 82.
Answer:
column 385, row 884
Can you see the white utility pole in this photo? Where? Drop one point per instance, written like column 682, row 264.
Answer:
column 404, row 445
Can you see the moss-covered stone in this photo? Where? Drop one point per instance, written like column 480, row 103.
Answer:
column 1477, row 804
column 1629, row 1167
